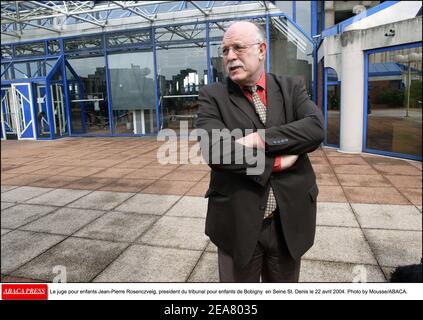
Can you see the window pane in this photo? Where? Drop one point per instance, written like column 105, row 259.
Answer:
column 133, row 98
column 83, row 44
column 89, row 109
column 394, row 112
column 53, row 47
column 129, row 39
column 30, row 49
column 285, row 6
column 6, row 51
column 333, row 114
column 182, row 33
column 303, row 15
column 291, row 53
column 181, row 72
column 6, row 75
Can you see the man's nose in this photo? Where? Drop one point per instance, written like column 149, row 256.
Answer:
column 231, row 54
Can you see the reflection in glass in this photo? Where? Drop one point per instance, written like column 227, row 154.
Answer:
column 88, row 92
column 31, row 69
column 291, row 53
column 53, row 46
column 181, row 72
column 132, row 92
column 303, row 15
column 333, row 114
column 128, row 39
column 30, row 49
column 6, row 51
column 83, row 43
column 394, row 102
column 43, row 125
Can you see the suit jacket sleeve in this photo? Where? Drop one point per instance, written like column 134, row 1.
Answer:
column 209, row 119
column 302, row 135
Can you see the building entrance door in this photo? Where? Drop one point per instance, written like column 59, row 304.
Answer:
column 59, row 110
column 24, row 113
column 8, row 120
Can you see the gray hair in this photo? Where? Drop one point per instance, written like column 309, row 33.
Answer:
column 261, row 33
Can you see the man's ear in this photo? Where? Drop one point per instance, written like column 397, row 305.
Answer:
column 262, row 51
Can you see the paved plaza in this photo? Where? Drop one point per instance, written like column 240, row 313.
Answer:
column 107, row 211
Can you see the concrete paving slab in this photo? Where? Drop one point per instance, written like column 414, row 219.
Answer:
column 339, row 244
column 335, row 214
column 148, row 204
column 382, row 216
column 414, row 195
column 189, row 207
column 405, row 169
column 9, row 279
column 388, row 272
column 198, row 189
column 101, row 200
column 177, row 188
column 326, row 179
column 324, row 271
column 207, row 269
column 83, row 260
column 405, row 181
column 361, row 180
column 64, row 221
column 151, row 264
column 4, row 231
column 117, row 226
column 23, row 194
column 376, row 195
column 22, row 214
column 331, row 194
column 19, row 247
column 184, row 233
column 5, row 205
column 211, row 247
column 7, row 188
column 59, row 197
column 394, row 248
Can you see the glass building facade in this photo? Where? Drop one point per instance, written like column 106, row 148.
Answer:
column 136, row 82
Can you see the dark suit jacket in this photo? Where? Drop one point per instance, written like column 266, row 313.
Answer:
column 237, row 201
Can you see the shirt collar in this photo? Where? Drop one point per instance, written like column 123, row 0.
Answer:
column 261, row 83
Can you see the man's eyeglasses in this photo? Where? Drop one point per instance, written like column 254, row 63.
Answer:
column 236, row 48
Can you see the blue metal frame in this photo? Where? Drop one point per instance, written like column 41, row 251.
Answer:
column 366, row 81
column 66, row 88
column 49, row 100
column 209, row 66
column 104, row 50
column 156, row 89
column 294, row 11
column 327, row 83
column 108, row 89
column 268, row 43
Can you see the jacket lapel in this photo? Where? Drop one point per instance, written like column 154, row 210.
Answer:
column 238, row 98
column 275, row 114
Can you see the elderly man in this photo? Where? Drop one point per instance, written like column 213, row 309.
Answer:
column 262, row 224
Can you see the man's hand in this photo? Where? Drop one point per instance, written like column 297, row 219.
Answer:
column 252, row 140
column 288, row 161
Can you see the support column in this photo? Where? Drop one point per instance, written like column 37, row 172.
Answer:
column 329, row 8
column 352, row 90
